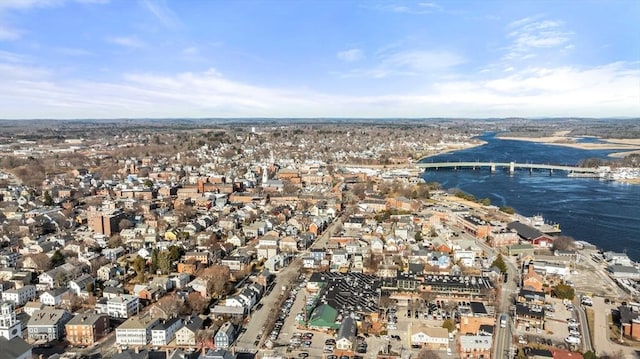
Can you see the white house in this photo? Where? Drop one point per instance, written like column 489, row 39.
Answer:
column 466, row 258
column 122, row 306
column 163, row 333
column 53, row 297
column 135, row 331
column 187, row 334
column 433, row 338
column 82, row 285
column 20, row 296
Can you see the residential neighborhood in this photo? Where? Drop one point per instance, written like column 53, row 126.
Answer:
column 259, row 247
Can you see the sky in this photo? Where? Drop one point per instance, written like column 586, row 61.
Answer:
column 69, row 59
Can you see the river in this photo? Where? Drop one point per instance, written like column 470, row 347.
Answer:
column 604, row 213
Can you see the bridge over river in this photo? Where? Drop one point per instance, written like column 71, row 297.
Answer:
column 512, row 166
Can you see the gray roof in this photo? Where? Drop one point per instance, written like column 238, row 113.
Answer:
column 347, row 329
column 13, row 348
column 85, row 319
column 48, row 317
column 525, row 231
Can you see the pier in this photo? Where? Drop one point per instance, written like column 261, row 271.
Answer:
column 511, row 166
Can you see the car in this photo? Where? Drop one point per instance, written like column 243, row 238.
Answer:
column 522, row 340
column 548, row 342
column 572, row 340
column 303, row 355
column 332, row 357
column 330, row 341
column 449, row 351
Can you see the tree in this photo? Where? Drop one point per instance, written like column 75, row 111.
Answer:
column 589, row 355
column 125, row 224
column 507, row 210
column 427, row 354
column 48, row 201
column 42, row 261
column 485, row 202
column 418, row 236
column 139, row 266
column 564, row 291
column 154, row 260
column 115, row 241
column 217, row 277
column 564, row 243
column 500, row 264
column 196, row 303
column 449, row 325
column 57, row 259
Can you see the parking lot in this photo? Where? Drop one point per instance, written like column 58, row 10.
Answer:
column 556, row 327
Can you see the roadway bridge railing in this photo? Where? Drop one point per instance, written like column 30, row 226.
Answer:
column 512, row 166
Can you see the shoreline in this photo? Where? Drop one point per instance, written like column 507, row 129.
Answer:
column 466, row 146
column 626, row 146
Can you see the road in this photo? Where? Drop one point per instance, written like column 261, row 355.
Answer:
column 504, row 336
column 258, row 320
column 584, row 326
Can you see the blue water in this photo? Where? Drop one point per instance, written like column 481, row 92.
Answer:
column 604, row 213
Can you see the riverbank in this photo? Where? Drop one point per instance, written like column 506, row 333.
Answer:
column 626, row 146
column 452, row 147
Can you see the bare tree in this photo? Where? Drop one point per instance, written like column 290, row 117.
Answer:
column 42, row 261
column 564, row 243
column 427, row 354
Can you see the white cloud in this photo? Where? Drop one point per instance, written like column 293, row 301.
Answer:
column 609, row 90
column 8, row 33
column 351, row 55
column 126, row 41
column 421, row 8
column 162, row 12
column 409, row 63
column 530, row 34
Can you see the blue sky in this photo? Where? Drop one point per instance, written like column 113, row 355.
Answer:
column 331, row 58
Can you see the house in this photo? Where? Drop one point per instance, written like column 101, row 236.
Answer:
column 339, row 257
column 48, row 324
column 122, row 306
column 217, row 354
column 56, row 276
column 226, row 312
column 236, row 263
column 113, row 253
column 532, row 280
column 20, row 296
column 32, row 306
column 225, row 336
column 87, row 329
column 475, row 346
column 135, row 330
column 187, row 334
column 347, row 334
column 430, row 337
column 289, row 244
column 83, row 285
column 14, row 348
column 107, row 272
column 199, row 285
column 179, row 280
column 163, row 333
column 202, row 257
column 53, row 297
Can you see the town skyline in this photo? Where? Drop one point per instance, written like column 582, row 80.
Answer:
column 82, row 59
